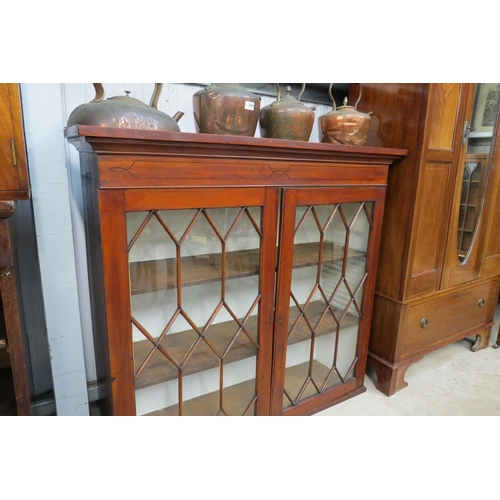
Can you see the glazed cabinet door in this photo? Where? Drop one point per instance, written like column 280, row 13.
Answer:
column 329, row 244
column 189, row 279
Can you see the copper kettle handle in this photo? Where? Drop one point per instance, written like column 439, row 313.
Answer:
column 156, row 95
column 99, row 92
column 301, row 91
column 278, row 97
column 333, row 100
column 331, row 97
column 359, row 98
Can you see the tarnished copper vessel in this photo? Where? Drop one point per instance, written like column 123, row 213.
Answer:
column 345, row 125
column 124, row 112
column 287, row 117
column 226, row 109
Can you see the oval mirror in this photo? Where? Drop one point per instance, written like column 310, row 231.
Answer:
column 477, row 164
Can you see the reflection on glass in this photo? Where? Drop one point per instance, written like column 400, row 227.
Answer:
column 476, row 168
column 329, row 272
column 195, row 300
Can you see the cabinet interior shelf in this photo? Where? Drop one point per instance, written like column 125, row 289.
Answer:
column 159, row 369
column 156, row 275
column 238, row 396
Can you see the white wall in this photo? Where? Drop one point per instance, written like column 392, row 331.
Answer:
column 44, row 124
column 55, row 177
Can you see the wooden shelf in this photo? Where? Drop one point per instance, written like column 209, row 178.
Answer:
column 156, row 275
column 238, row 397
column 159, row 369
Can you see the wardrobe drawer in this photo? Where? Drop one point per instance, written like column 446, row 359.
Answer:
column 429, row 322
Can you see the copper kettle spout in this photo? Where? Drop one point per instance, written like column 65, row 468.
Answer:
column 178, row 115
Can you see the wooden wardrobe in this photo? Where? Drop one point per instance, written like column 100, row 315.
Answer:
column 430, row 291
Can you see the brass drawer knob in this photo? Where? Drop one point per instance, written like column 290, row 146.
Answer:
column 480, row 303
column 424, row 323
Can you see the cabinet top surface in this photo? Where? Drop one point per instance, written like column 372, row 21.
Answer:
column 106, row 140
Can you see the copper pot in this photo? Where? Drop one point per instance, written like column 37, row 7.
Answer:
column 226, row 109
column 124, row 112
column 287, row 117
column 345, row 125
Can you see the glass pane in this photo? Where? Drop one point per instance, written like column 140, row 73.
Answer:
column 476, row 168
column 329, row 272
column 195, row 300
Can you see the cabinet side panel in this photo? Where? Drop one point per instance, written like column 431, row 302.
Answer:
column 385, row 327
column 95, row 274
column 430, row 220
column 443, row 115
column 398, row 109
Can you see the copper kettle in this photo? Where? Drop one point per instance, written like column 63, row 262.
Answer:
column 287, row 117
column 124, row 112
column 345, row 125
column 226, row 109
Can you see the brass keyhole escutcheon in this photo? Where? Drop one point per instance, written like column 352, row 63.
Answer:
column 424, row 323
column 480, row 303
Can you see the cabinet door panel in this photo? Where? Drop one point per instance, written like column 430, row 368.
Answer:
column 443, row 115
column 201, row 284
column 326, row 253
column 13, row 167
column 428, row 242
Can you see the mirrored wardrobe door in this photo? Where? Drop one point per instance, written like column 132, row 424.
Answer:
column 476, row 165
column 467, row 232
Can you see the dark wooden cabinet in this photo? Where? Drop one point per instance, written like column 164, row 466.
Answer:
column 438, row 272
column 14, row 185
column 229, row 275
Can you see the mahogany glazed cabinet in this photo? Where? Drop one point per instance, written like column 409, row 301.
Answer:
column 438, row 272
column 229, row 275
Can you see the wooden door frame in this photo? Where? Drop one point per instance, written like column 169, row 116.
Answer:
column 292, row 198
column 114, row 204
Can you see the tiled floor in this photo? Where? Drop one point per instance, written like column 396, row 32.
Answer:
column 450, row 381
